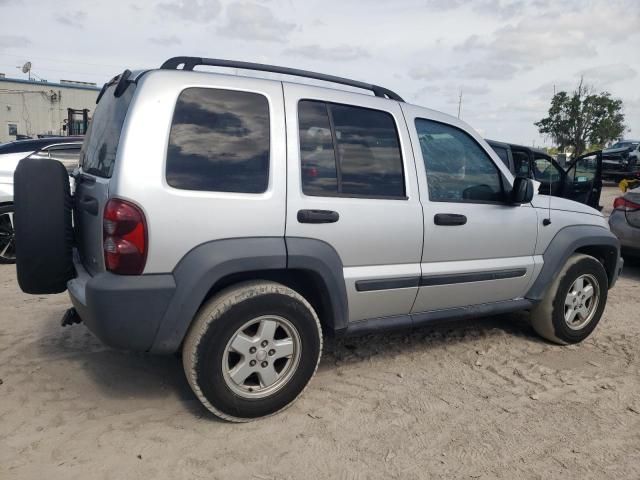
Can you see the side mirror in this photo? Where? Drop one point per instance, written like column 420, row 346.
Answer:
column 522, row 191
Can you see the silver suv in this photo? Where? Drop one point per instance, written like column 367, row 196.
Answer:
column 237, row 219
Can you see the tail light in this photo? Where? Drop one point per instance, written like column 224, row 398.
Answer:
column 124, row 238
column 622, row 203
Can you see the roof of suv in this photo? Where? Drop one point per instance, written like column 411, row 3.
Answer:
column 189, row 63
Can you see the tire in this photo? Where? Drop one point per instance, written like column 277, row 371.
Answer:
column 210, row 360
column 564, row 316
column 7, row 235
column 43, row 227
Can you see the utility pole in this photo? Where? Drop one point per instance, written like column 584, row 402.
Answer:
column 460, row 103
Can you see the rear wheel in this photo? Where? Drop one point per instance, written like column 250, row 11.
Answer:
column 252, row 350
column 574, row 303
column 7, row 235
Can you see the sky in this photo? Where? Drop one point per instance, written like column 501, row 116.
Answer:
column 505, row 57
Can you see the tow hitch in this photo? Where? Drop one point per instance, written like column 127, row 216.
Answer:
column 70, row 317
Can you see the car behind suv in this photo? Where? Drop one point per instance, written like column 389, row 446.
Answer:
column 581, row 181
column 63, row 149
column 237, row 219
column 622, row 161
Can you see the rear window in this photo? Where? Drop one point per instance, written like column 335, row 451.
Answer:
column 219, row 141
column 98, row 155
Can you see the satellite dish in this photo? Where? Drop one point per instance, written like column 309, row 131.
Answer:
column 26, row 67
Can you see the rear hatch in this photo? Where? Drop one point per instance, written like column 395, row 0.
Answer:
column 97, row 162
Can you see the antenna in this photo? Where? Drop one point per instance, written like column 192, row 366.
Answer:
column 26, row 68
column 460, row 103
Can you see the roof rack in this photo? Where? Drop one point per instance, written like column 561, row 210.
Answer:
column 189, row 63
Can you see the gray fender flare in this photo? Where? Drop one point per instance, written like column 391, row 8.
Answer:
column 202, row 267
column 322, row 259
column 564, row 244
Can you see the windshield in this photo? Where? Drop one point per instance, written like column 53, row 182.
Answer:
column 98, row 153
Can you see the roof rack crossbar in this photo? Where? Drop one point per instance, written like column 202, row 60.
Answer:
column 189, row 63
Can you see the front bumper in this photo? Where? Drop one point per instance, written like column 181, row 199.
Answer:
column 122, row 311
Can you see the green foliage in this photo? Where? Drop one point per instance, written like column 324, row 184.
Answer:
column 552, row 150
column 583, row 118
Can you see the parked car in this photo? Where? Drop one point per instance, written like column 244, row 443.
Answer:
column 237, row 220
column 63, row 149
column 581, row 181
column 625, row 221
column 621, row 161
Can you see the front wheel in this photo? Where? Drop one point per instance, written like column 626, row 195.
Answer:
column 7, row 235
column 252, row 350
column 574, row 303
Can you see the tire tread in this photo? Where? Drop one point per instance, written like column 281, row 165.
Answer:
column 213, row 310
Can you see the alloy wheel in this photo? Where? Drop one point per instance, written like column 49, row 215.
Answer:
column 581, row 301
column 7, row 237
column 261, row 356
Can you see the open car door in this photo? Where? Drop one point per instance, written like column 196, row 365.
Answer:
column 541, row 167
column 584, row 179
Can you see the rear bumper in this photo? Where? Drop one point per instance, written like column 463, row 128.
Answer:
column 122, row 311
column 628, row 235
column 618, row 271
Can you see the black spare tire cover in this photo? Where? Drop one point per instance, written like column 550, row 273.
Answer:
column 43, row 227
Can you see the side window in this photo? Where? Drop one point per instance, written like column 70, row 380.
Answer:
column 317, row 155
column 219, row 141
column 458, row 169
column 350, row 151
column 521, row 164
column 503, row 154
column 544, row 170
column 585, row 169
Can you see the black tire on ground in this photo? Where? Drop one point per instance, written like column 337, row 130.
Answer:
column 218, row 322
column 548, row 317
column 7, row 238
column 43, row 227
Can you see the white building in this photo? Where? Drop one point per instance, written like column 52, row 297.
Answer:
column 31, row 107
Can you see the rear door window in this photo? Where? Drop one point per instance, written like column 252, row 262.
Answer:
column 318, row 157
column 219, row 141
column 349, row 151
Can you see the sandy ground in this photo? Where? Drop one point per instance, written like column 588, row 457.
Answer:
column 478, row 399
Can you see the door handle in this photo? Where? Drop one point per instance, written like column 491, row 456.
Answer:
column 449, row 219
column 89, row 205
column 317, row 216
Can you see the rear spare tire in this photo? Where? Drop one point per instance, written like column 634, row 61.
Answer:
column 43, row 227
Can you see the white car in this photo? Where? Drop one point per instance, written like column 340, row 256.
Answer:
column 63, row 149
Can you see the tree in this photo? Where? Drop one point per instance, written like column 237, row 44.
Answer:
column 583, row 118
